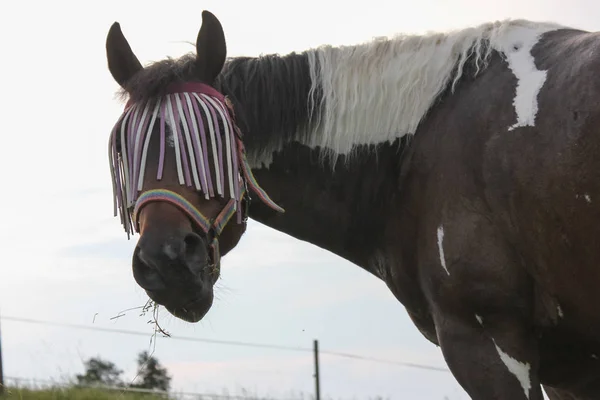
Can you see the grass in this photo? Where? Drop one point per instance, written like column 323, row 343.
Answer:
column 77, row 393
column 72, row 393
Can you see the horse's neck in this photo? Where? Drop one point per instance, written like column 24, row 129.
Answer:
column 342, row 210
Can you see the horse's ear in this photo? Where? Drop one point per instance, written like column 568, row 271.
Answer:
column 122, row 63
column 211, row 49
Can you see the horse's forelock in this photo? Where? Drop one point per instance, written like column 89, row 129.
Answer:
column 154, row 79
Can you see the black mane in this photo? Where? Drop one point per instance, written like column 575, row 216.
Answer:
column 153, row 80
column 271, row 96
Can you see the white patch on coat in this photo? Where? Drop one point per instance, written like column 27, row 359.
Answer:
column 479, row 319
column 516, row 46
column 522, row 371
column 379, row 91
column 440, row 240
column 586, row 196
column 560, row 311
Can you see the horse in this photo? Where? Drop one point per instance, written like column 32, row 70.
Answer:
column 461, row 168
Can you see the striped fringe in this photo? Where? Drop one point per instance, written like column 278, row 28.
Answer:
column 201, row 125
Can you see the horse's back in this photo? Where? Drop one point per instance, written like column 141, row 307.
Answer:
column 544, row 180
column 517, row 152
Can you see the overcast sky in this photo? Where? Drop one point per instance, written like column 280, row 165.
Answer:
column 66, row 259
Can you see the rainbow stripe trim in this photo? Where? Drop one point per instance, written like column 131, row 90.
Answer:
column 224, row 217
column 253, row 184
column 175, row 199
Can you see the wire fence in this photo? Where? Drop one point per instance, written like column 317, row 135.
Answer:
column 34, row 383
column 230, row 342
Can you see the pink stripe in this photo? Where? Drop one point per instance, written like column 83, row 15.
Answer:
column 177, row 130
column 116, row 167
column 138, row 123
column 233, row 141
column 129, row 132
column 219, row 144
column 114, row 135
column 195, row 143
column 123, row 142
column 131, row 153
column 137, row 159
column 204, row 145
column 161, row 158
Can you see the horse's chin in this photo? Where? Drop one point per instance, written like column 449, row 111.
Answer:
column 193, row 311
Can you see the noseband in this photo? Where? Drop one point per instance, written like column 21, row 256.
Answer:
column 212, row 228
column 185, row 106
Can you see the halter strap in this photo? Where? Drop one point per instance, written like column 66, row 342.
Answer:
column 175, row 199
column 217, row 225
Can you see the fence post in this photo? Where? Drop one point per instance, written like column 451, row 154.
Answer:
column 317, row 381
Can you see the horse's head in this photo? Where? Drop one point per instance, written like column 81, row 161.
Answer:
column 180, row 176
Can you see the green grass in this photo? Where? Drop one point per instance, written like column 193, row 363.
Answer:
column 74, row 394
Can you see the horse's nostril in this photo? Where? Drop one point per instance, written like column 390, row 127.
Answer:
column 195, row 249
column 145, row 273
column 192, row 244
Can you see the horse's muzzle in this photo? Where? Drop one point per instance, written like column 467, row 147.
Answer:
column 175, row 272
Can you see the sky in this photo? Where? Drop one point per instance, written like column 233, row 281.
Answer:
column 67, row 259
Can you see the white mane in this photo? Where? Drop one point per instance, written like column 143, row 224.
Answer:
column 379, row 91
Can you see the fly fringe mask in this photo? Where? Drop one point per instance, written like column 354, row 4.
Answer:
column 201, row 124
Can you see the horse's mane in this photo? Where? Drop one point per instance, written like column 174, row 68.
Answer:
column 154, row 79
column 272, row 89
column 271, row 95
column 381, row 90
column 340, row 97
